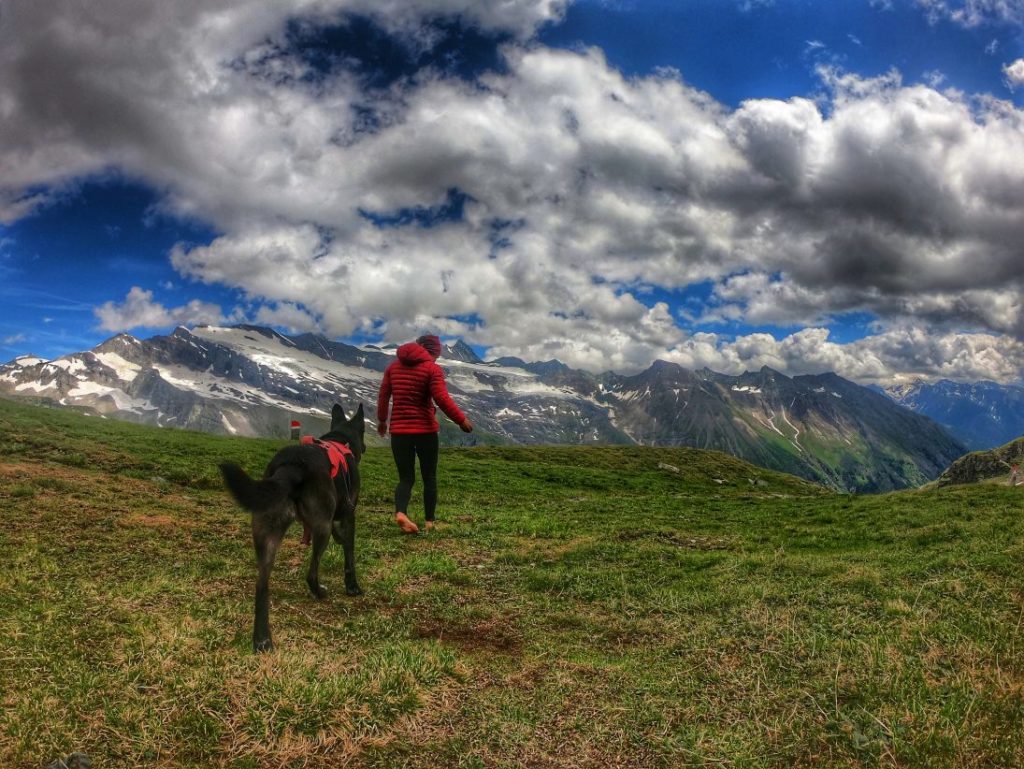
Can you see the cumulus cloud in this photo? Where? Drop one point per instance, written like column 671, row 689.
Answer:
column 149, row 87
column 1014, row 73
column 138, row 310
column 765, row 299
column 896, row 355
column 533, row 209
column 288, row 316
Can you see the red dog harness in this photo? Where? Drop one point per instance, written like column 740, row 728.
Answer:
column 337, row 453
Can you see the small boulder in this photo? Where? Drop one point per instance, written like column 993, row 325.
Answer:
column 74, row 761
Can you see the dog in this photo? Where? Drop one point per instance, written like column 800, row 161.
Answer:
column 298, row 484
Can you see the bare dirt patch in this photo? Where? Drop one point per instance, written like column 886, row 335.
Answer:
column 493, row 635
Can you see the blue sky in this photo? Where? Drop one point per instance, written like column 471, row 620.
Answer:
column 771, row 50
column 729, row 183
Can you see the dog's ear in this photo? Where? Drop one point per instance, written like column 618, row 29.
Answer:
column 337, row 412
column 358, row 418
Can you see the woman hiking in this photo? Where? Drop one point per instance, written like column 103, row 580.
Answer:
column 414, row 383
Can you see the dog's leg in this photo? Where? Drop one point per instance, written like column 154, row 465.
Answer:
column 345, row 535
column 321, row 538
column 266, row 540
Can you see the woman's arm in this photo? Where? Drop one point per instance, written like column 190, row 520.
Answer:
column 439, row 392
column 382, row 402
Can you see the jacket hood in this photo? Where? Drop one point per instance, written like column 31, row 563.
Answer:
column 412, row 354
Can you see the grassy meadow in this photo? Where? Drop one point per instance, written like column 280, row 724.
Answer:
column 579, row 607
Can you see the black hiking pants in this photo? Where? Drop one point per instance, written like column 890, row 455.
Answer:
column 405, row 449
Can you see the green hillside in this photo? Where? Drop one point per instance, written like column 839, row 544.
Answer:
column 992, row 466
column 580, row 607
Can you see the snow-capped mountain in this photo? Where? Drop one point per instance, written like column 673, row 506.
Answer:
column 248, row 380
column 982, row 415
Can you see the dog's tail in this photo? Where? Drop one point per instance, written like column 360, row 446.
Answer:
column 259, row 496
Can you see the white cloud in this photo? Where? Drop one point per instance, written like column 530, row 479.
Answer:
column 140, row 311
column 584, row 188
column 752, row 5
column 1014, row 73
column 972, row 13
column 151, row 87
column 287, row 316
column 896, row 355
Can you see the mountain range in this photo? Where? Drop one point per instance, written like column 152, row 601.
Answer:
column 249, row 380
column 981, row 415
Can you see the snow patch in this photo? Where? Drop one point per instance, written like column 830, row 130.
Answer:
column 24, row 361
column 123, row 402
column 795, row 440
column 125, row 369
column 70, row 365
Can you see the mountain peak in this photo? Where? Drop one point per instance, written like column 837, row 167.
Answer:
column 117, row 342
column 460, row 351
column 24, row 361
column 664, row 366
column 661, row 371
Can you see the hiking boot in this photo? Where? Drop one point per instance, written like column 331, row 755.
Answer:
column 407, row 526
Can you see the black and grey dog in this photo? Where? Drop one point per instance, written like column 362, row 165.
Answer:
column 299, row 484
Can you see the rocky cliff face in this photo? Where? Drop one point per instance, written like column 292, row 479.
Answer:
column 249, row 380
column 979, row 466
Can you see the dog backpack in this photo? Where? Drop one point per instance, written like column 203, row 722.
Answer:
column 337, row 453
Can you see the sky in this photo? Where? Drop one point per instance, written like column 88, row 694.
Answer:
column 805, row 185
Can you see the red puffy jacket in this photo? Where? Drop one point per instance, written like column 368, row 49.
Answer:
column 414, row 382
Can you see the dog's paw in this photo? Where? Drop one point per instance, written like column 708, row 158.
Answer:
column 319, row 591
column 353, row 590
column 263, row 645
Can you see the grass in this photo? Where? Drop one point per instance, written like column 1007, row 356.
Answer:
column 579, row 607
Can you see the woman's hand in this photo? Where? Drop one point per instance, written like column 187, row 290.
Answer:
column 466, row 426
column 382, row 429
